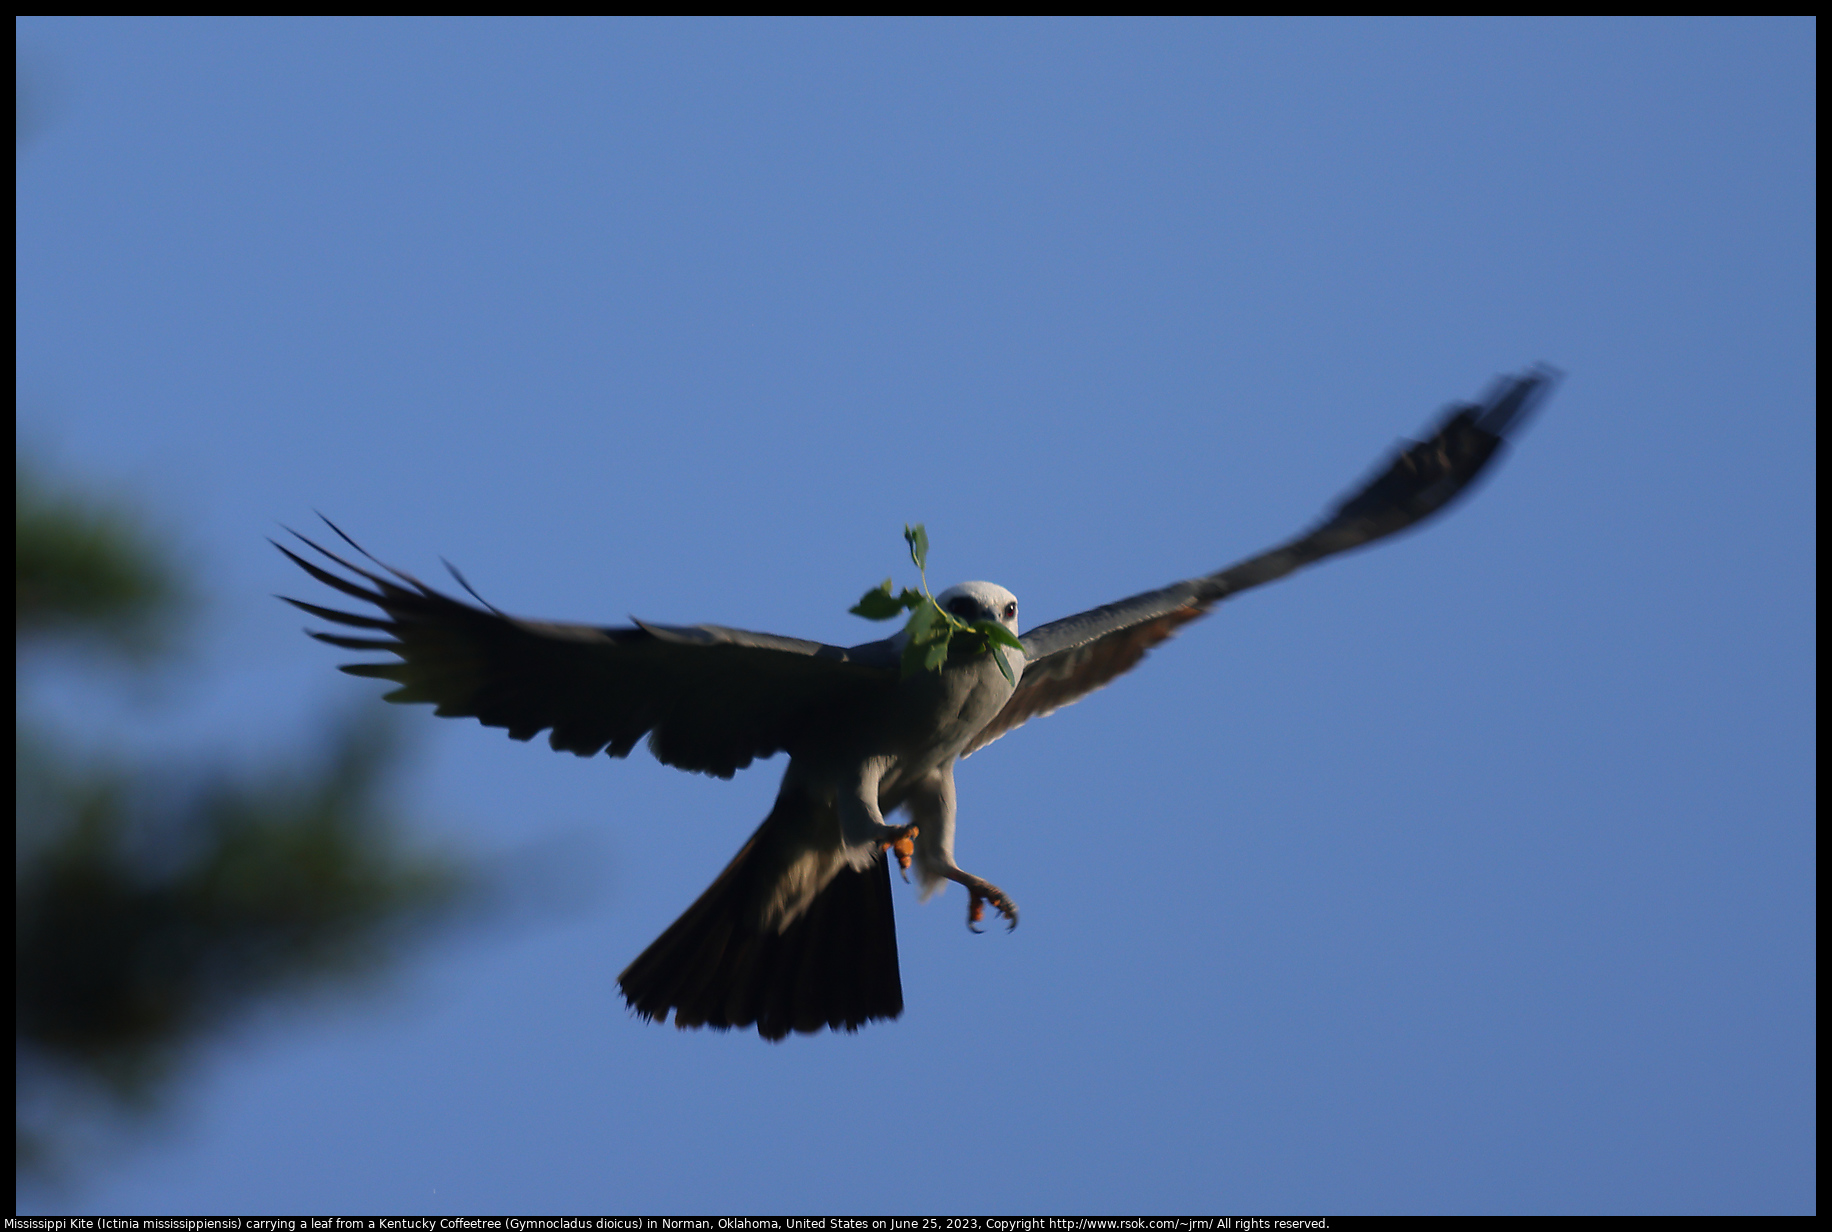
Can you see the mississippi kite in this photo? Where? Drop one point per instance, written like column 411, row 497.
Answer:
column 798, row 932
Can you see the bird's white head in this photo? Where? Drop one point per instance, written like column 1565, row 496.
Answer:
column 971, row 601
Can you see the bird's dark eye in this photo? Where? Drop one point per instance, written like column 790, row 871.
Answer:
column 963, row 607
column 1011, row 611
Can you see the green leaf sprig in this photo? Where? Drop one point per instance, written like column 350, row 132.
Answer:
column 933, row 631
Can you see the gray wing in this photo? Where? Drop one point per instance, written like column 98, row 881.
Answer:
column 710, row 699
column 1068, row 659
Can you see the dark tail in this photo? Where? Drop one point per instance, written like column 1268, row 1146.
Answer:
column 835, row 965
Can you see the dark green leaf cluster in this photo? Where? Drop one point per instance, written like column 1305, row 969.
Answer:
column 150, row 908
column 934, row 634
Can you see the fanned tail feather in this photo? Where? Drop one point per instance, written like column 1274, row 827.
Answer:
column 834, row 965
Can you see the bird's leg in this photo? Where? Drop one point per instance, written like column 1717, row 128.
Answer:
column 979, row 893
column 931, row 802
column 862, row 824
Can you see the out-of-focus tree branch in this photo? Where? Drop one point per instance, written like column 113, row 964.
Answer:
column 154, row 904
column 85, row 574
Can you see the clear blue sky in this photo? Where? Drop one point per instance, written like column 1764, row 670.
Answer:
column 1474, row 873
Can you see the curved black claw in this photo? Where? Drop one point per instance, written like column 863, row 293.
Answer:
column 976, row 907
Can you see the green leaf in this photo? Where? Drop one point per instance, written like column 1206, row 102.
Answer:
column 922, row 622
column 914, row 653
column 929, row 630
column 878, row 603
column 998, row 633
column 918, row 539
column 1005, row 669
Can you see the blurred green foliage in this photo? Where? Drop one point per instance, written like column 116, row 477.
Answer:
column 84, row 573
column 157, row 903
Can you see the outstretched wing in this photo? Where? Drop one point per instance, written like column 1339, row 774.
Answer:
column 1068, row 659
column 711, row 699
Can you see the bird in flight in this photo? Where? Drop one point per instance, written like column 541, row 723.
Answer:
column 798, row 932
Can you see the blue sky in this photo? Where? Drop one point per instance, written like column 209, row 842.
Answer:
column 1473, row 873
